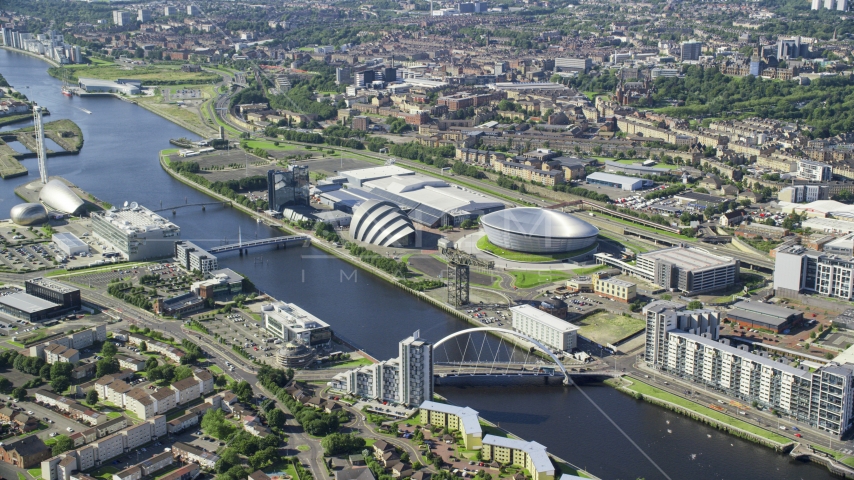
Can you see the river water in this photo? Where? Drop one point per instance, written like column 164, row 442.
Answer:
column 118, row 163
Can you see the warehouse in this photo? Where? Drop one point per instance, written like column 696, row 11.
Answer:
column 125, row 86
column 765, row 316
column 618, row 181
column 28, row 307
column 69, row 244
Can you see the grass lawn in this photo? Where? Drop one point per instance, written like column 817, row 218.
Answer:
column 605, row 327
column 149, row 74
column 303, row 448
column 490, row 430
column 532, row 279
column 654, row 392
column 644, row 227
column 358, row 362
column 21, row 476
column 635, row 247
column 215, row 369
column 175, row 414
column 106, row 472
column 485, row 244
column 35, row 472
column 589, row 270
column 15, row 344
column 271, row 146
column 839, row 456
column 112, row 415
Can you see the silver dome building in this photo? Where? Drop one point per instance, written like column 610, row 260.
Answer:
column 381, row 223
column 536, row 230
column 59, row 196
column 28, row 214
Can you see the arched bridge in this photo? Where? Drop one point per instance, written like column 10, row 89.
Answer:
column 492, row 362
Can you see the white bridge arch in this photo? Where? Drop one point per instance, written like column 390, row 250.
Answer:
column 536, row 343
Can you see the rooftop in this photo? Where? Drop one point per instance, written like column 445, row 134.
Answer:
column 536, row 452
column 68, row 239
column 137, row 220
column 544, row 318
column 611, row 178
column 688, row 258
column 55, row 286
column 26, row 303
column 467, row 416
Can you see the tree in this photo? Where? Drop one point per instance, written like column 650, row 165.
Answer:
column 215, row 424
column 243, row 391
column 61, row 369
column 92, row 397
column 106, row 366
column 109, row 350
column 63, row 444
column 44, row 372
column 19, row 394
column 338, row 443
column 276, row 418
column 151, row 364
column 60, row 384
column 143, row 346
column 695, row 305
column 5, row 384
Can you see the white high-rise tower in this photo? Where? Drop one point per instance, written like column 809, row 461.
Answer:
column 37, row 114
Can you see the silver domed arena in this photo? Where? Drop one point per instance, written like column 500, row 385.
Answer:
column 536, row 230
column 28, row 214
column 381, row 223
column 59, row 196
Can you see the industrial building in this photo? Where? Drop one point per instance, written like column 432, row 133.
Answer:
column 289, row 322
column 69, row 244
column 288, row 187
column 686, row 344
column 537, row 230
column 66, row 296
column 453, row 418
column 619, row 181
column 193, row 257
column 425, row 200
column 136, row 232
column 765, row 316
column 28, row 307
column 122, row 85
column 559, row 335
column 797, row 269
column 683, row 268
column 405, row 380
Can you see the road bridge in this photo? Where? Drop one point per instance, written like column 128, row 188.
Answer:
column 242, row 247
column 203, row 205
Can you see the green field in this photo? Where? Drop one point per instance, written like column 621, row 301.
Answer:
column 486, row 245
column 149, row 74
column 271, row 146
column 532, row 279
column 589, row 270
column 649, row 390
column 605, row 327
column 215, row 369
column 639, row 162
column 105, row 472
column 357, row 362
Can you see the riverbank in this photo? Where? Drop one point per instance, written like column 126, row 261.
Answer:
column 734, row 426
column 30, row 54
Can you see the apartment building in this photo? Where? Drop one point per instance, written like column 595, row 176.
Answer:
column 164, row 349
column 452, row 417
column 528, row 455
column 407, row 379
column 556, row 334
column 192, row 257
column 797, row 269
column 189, row 453
column 814, row 171
column 686, row 344
column 72, row 343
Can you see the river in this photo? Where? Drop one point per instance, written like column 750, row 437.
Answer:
column 118, row 163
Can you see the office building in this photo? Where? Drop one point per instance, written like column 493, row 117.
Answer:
column 797, row 270
column 814, row 171
column 343, row 76
column 143, row 15
column 510, row 451
column 28, row 307
column 121, row 18
column 66, row 296
column 615, row 289
column 192, row 10
column 288, row 187
column 686, row 344
column 192, row 257
column 556, row 334
column 289, row 322
column 364, row 78
column 453, row 418
column 136, row 232
column 69, row 244
column 682, row 268
column 406, row 380
column 569, row 64
column 691, row 51
column 218, row 283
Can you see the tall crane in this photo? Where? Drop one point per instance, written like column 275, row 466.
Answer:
column 37, row 114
